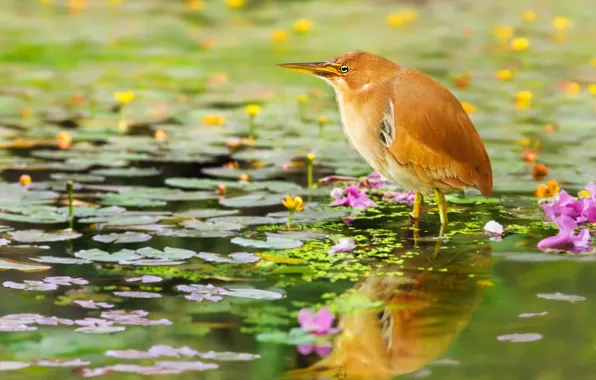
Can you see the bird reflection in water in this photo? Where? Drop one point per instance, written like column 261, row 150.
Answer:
column 424, row 311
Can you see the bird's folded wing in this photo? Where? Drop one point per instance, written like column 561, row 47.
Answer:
column 436, row 138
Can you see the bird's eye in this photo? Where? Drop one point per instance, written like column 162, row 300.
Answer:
column 344, row 69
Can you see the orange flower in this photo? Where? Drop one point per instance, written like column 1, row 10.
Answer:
column 529, row 156
column 539, row 171
column 64, row 140
column 160, row 135
column 553, row 185
column 25, row 179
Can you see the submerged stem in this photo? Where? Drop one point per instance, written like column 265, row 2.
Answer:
column 69, row 189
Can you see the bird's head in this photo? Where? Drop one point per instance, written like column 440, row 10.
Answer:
column 354, row 70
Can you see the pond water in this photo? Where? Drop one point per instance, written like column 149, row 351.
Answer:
column 178, row 261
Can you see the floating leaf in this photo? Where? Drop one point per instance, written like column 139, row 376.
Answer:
column 100, row 329
column 138, row 294
column 127, row 172
column 201, row 183
column 561, row 297
column 518, row 338
column 167, row 253
column 471, row 200
column 6, row 264
column 211, row 226
column 251, row 293
column 205, row 213
column 280, row 187
column 248, row 220
column 39, row 236
column 253, row 200
column 233, row 258
column 126, row 237
column 270, row 243
column 11, row 366
column 99, row 255
column 59, row 260
column 295, row 337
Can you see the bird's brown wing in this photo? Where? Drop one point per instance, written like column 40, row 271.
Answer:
column 435, row 137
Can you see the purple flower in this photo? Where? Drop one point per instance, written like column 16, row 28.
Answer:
column 321, row 350
column 565, row 205
column 399, row 197
column 566, row 235
column 354, row 198
column 319, row 324
column 344, row 245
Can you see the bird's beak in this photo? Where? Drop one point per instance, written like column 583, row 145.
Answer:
column 316, row 68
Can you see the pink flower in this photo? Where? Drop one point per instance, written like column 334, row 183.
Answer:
column 566, row 235
column 354, row 198
column 344, row 245
column 565, row 205
column 319, row 324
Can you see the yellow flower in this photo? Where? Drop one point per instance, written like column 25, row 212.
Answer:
column 523, row 99
column 572, row 88
column 503, row 32
column 529, row 16
column 395, row 19
column 303, row 25
column 76, row 6
column 279, row 35
column 584, row 194
column 160, row 135
column 561, row 23
column 593, row 62
column 25, row 179
column 236, row 4
column 504, row 74
column 302, row 98
column 293, row 204
column 409, row 15
column 244, row 177
column 213, row 120
column 323, row 118
column 592, row 88
column 310, row 157
column 520, row 44
column 253, row 110
column 124, row 97
column 64, row 140
column 553, row 185
column 468, row 107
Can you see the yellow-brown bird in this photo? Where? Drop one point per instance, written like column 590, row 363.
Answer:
column 406, row 125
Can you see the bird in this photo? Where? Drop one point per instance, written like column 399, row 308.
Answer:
column 407, row 126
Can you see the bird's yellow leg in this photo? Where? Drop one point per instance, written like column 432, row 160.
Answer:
column 442, row 204
column 418, row 204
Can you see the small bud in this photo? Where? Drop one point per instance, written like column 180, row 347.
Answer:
column 25, row 180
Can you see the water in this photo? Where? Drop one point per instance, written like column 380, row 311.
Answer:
column 410, row 303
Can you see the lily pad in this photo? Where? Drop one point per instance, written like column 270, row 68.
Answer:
column 201, row 183
column 471, row 200
column 248, row 220
column 204, row 213
column 211, row 226
column 126, row 237
column 137, row 294
column 251, row 293
column 6, row 264
column 103, row 256
column 59, row 260
column 12, row 365
column 232, row 258
column 39, row 236
column 127, row 172
column 252, row 200
column 270, row 243
column 168, row 253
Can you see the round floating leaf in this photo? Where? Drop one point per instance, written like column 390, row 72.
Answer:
column 76, row 177
column 126, row 237
column 298, row 235
column 228, row 356
column 252, row 200
column 211, row 226
column 6, row 264
column 99, row 255
column 270, row 243
column 59, row 260
column 126, row 200
column 123, row 220
column 312, row 216
column 168, row 253
column 100, row 330
column 127, row 172
column 39, row 236
column 256, row 294
column 49, row 218
column 275, row 187
column 138, row 294
column 11, row 366
column 248, row 220
column 204, row 213
column 201, row 183
column 233, row 258
column 151, row 262
column 518, row 338
column 561, row 297
column 234, row 173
